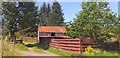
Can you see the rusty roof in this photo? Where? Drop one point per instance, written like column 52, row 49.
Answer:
column 53, row 29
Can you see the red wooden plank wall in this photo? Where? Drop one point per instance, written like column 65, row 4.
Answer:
column 71, row 45
column 29, row 38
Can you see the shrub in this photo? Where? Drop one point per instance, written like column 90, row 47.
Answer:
column 96, row 52
column 89, row 49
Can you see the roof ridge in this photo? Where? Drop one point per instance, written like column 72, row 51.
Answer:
column 51, row 26
column 54, row 29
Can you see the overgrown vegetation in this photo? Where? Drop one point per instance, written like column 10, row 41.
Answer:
column 89, row 51
column 61, row 52
column 9, row 50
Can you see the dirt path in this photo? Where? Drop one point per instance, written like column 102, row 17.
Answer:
column 30, row 52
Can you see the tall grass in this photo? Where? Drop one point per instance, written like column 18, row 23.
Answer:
column 0, row 47
column 9, row 50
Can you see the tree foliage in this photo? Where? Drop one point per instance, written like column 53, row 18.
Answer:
column 44, row 14
column 51, row 15
column 94, row 22
column 10, row 21
column 56, row 15
column 28, row 17
column 19, row 17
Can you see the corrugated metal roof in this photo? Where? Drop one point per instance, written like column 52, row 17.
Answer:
column 53, row 29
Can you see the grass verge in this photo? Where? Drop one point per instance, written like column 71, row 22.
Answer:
column 36, row 49
column 100, row 53
column 60, row 52
column 22, row 47
column 29, row 41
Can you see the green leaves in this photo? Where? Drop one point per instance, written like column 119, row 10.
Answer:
column 56, row 15
column 51, row 15
column 19, row 16
column 95, row 20
column 44, row 14
column 10, row 13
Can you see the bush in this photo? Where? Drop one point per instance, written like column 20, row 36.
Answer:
column 96, row 52
column 89, row 49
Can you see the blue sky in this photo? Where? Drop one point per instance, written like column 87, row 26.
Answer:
column 70, row 9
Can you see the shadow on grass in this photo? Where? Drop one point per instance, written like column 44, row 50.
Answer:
column 43, row 46
column 115, row 51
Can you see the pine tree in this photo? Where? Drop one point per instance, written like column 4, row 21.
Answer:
column 43, row 14
column 28, row 17
column 48, row 13
column 56, row 15
column 10, row 21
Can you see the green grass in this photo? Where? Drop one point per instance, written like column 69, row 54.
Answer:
column 100, row 53
column 9, row 50
column 36, row 49
column 29, row 41
column 60, row 52
column 22, row 47
column 115, row 51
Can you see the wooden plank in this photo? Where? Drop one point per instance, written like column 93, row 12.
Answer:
column 73, row 45
column 70, row 48
column 68, row 45
column 69, row 42
column 65, row 39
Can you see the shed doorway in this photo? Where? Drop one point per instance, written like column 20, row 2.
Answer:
column 52, row 34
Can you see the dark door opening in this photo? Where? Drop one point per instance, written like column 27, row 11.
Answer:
column 52, row 34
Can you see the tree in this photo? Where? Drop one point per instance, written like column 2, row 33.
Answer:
column 115, row 31
column 56, row 15
column 28, row 14
column 48, row 13
column 44, row 14
column 10, row 21
column 19, row 16
column 1, row 6
column 94, row 22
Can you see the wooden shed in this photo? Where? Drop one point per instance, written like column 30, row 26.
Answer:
column 46, row 33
